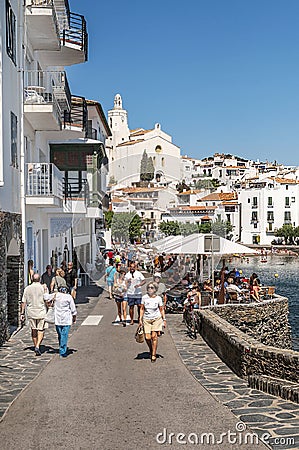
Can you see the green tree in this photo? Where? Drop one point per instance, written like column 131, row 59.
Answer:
column 170, row 228
column 222, row 228
column 288, row 232
column 108, row 218
column 150, row 170
column 207, row 183
column 205, row 227
column 182, row 186
column 126, row 227
column 143, row 167
column 135, row 228
column 189, row 228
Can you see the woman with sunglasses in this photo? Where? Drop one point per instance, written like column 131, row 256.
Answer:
column 152, row 317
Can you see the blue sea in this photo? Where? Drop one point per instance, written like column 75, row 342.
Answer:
column 281, row 272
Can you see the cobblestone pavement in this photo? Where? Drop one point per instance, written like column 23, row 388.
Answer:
column 262, row 412
column 18, row 363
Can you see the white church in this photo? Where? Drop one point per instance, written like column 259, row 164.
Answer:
column 126, row 147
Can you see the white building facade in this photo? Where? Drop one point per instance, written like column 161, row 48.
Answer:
column 53, row 162
column 126, row 149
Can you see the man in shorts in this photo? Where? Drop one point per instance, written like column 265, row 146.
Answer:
column 33, row 298
column 134, row 280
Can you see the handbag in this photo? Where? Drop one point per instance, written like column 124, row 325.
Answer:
column 139, row 335
column 50, row 315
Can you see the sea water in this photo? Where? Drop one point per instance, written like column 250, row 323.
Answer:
column 281, row 272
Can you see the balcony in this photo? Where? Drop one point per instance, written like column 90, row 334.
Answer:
column 76, row 118
column 81, row 199
column 47, row 98
column 42, row 25
column 76, row 192
column 44, row 185
column 73, row 40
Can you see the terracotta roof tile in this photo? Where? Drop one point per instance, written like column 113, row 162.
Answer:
column 125, row 144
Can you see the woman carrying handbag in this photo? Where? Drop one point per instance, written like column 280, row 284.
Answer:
column 152, row 317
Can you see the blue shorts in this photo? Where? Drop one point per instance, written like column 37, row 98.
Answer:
column 120, row 299
column 134, row 300
column 110, row 283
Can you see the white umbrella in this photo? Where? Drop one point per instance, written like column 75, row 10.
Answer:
column 165, row 242
column 207, row 244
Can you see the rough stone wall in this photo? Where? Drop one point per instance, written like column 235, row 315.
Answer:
column 11, row 279
column 267, row 321
column 245, row 355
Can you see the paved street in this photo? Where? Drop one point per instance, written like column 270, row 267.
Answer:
column 108, row 395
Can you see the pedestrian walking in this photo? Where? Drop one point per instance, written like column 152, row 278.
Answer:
column 65, row 315
column 47, row 277
column 135, row 280
column 71, row 279
column 33, row 301
column 161, row 287
column 109, row 277
column 119, row 292
column 30, row 271
column 58, row 281
column 152, row 317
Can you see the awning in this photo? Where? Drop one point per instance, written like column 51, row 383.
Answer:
column 72, row 154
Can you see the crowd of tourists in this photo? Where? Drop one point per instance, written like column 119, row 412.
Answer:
column 139, row 286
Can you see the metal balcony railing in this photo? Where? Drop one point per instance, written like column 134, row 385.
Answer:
column 75, row 189
column 75, row 33
column 43, row 180
column 92, row 133
column 48, row 87
column 63, row 13
column 77, row 116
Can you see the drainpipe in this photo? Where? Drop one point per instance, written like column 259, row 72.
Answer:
column 22, row 149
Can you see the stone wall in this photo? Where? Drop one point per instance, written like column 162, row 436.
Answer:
column 244, row 354
column 268, row 322
column 11, row 270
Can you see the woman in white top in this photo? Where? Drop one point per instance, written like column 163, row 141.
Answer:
column 152, row 317
column 65, row 314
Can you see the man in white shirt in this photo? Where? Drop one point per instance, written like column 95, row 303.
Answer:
column 232, row 288
column 33, row 298
column 134, row 280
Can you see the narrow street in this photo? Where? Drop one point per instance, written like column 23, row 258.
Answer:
column 108, row 395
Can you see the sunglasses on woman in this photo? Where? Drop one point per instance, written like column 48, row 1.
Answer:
column 151, row 287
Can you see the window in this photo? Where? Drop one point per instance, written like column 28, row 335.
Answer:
column 270, row 226
column 270, row 201
column 254, row 202
column 163, row 162
column 287, row 216
column 270, row 216
column 14, row 139
column 287, row 201
column 287, row 187
column 254, row 216
column 293, row 199
column 10, row 32
column 152, row 215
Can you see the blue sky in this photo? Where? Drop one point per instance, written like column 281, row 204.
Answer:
column 219, row 75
